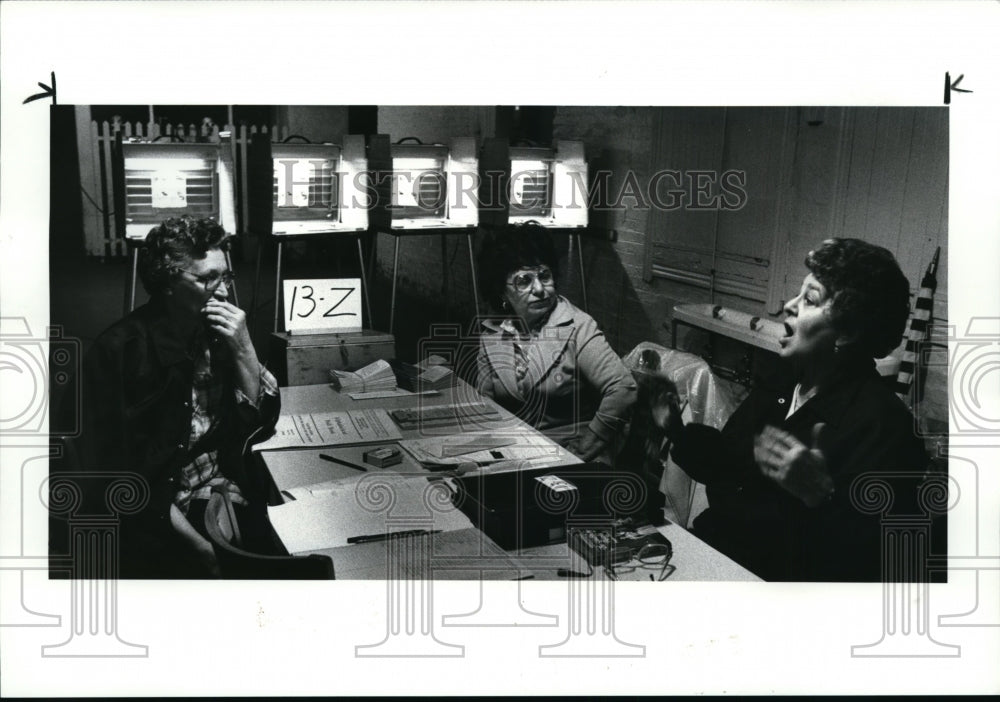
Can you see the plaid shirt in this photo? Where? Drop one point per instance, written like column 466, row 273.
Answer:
column 199, row 476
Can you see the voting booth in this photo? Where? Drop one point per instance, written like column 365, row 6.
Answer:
column 155, row 180
column 306, row 190
column 424, row 189
column 545, row 185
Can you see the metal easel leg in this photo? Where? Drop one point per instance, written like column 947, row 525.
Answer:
column 229, row 265
column 472, row 268
column 392, row 304
column 583, row 277
column 256, row 285
column 364, row 284
column 132, row 274
column 277, row 288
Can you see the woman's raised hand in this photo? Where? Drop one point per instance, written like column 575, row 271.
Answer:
column 228, row 322
column 587, row 446
column 797, row 468
column 667, row 412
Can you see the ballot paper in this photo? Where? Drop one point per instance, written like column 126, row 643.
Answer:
column 381, row 394
column 331, row 429
column 485, row 448
column 371, row 505
column 343, row 488
column 465, row 444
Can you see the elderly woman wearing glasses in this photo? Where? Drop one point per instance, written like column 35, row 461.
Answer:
column 545, row 360
column 172, row 392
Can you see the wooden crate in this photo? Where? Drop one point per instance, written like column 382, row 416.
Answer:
column 306, row 359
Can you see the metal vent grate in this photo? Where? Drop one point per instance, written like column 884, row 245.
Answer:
column 169, row 180
column 531, row 192
column 419, row 193
column 300, row 188
column 151, row 195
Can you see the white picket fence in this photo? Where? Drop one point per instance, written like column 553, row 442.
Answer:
column 100, row 235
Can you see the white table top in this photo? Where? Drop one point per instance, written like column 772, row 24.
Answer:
column 291, row 468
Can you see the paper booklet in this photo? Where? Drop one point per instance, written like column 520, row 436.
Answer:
column 377, row 375
column 331, row 429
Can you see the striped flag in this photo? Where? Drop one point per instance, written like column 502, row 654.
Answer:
column 919, row 323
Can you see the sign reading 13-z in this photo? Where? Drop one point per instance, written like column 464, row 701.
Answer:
column 315, row 306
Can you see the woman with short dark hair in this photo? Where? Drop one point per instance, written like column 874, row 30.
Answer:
column 171, row 392
column 869, row 295
column 545, row 360
column 171, row 245
column 778, row 475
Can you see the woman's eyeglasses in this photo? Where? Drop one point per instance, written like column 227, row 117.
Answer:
column 212, row 282
column 523, row 282
column 653, row 556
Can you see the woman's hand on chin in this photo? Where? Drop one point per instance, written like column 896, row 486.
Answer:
column 229, row 323
column 797, row 468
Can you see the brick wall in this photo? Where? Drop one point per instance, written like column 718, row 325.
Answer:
column 629, row 309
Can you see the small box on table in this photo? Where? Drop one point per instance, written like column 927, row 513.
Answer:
column 384, row 456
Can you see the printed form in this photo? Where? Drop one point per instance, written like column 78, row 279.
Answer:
column 332, row 429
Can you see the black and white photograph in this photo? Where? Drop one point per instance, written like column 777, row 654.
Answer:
column 569, row 364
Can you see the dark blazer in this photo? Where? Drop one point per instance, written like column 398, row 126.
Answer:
column 137, row 384
column 757, row 523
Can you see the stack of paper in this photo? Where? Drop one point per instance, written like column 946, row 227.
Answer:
column 423, row 376
column 375, row 376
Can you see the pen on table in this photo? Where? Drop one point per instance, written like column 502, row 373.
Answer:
column 389, row 535
column 355, row 466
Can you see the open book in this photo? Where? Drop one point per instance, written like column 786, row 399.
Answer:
column 375, row 376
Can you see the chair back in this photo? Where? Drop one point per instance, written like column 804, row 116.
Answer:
column 224, row 519
column 238, row 564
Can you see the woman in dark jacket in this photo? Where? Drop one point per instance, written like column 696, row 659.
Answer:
column 779, row 474
column 171, row 393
